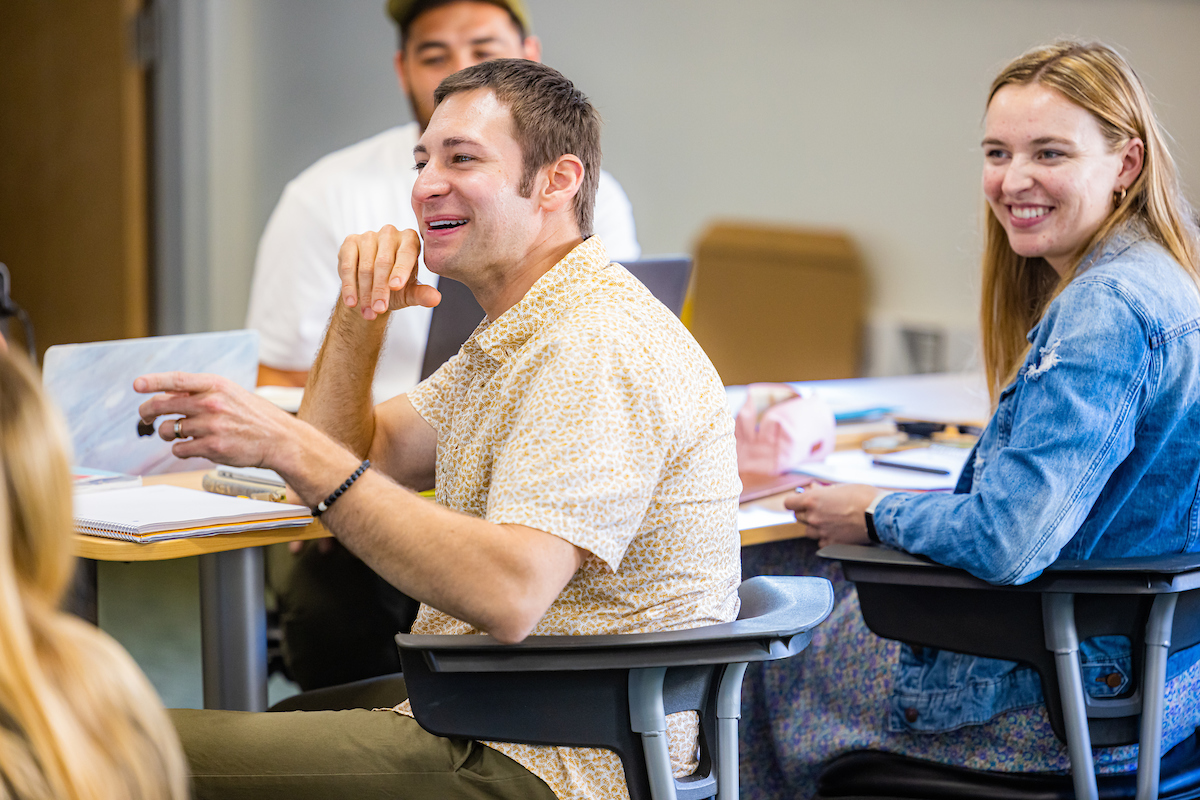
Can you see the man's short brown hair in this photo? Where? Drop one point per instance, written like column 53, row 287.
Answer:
column 551, row 118
column 405, row 13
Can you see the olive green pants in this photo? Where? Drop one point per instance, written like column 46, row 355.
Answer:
column 350, row 753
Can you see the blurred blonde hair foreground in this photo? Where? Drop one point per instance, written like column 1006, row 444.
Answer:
column 1017, row 290
column 78, row 720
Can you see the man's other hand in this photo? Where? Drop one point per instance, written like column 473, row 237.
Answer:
column 379, row 272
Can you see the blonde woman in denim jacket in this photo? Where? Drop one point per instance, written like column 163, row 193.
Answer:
column 1091, row 329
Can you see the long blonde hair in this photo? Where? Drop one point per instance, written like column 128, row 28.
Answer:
column 1016, row 289
column 78, row 720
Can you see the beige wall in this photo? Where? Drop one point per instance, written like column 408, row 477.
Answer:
column 858, row 114
column 862, row 114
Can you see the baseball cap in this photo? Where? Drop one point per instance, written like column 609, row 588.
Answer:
column 402, row 11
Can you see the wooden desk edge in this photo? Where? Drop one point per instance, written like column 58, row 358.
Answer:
column 101, row 549
column 773, row 533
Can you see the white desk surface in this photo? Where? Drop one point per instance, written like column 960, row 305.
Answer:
column 952, row 398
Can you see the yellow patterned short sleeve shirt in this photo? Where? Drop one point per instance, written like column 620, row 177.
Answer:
column 589, row 412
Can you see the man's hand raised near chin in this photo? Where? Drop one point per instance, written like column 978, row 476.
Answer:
column 379, row 272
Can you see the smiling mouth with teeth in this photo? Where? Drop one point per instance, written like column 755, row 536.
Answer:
column 1030, row 213
column 446, row 224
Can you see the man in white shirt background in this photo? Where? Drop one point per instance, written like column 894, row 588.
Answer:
column 337, row 616
column 368, row 185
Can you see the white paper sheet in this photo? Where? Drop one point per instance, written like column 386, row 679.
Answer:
column 855, row 466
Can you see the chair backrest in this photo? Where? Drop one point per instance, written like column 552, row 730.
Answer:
column 777, row 303
column 1153, row 601
column 1007, row 626
column 967, row 615
column 578, row 691
column 452, row 322
column 456, row 317
column 667, row 278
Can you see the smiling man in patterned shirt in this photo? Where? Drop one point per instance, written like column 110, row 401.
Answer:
column 583, row 459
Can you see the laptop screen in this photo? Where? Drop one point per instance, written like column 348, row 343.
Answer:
column 93, row 386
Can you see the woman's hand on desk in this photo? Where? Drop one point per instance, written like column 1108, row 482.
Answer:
column 834, row 514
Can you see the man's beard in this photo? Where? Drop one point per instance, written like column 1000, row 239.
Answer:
column 421, row 118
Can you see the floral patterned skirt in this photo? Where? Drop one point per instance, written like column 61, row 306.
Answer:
column 800, row 713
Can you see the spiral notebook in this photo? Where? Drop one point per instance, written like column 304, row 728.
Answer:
column 157, row 513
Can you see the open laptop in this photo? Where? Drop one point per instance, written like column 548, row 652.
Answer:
column 93, row 386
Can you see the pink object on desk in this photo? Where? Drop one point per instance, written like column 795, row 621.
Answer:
column 778, row 429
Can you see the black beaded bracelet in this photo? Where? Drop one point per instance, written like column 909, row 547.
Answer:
column 324, row 505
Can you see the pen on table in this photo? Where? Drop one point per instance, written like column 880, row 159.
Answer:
column 880, row 462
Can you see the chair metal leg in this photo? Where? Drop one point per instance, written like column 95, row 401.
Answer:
column 648, row 717
column 1154, row 685
column 729, row 711
column 1058, row 613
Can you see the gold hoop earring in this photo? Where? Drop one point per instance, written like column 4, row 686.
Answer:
column 1119, row 197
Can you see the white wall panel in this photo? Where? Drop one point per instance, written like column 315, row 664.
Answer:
column 859, row 114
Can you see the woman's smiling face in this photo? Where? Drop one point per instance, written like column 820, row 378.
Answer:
column 1049, row 174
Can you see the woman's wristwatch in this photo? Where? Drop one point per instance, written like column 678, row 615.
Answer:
column 873, row 534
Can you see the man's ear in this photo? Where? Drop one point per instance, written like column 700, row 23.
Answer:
column 561, row 182
column 531, row 48
column 401, row 75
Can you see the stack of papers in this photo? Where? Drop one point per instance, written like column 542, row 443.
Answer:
column 157, row 513
column 752, row 516
column 855, row 466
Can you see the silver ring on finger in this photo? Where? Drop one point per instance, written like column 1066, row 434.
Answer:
column 179, row 428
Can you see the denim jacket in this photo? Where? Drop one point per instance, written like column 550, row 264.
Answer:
column 1092, row 452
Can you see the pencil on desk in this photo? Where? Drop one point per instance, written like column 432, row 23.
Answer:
column 880, row 462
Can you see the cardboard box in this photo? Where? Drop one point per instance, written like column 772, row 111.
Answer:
column 776, row 303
